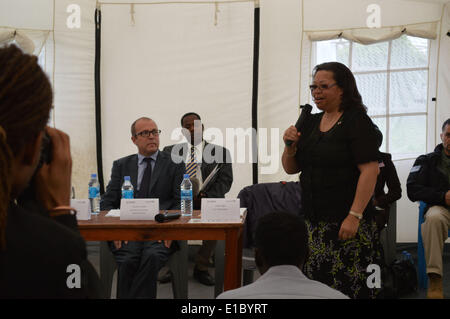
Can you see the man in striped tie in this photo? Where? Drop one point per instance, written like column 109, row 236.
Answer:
column 201, row 159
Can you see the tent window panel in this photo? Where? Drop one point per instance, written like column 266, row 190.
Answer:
column 372, row 88
column 407, row 136
column 373, row 57
column 392, row 77
column 409, row 52
column 408, row 92
column 333, row 50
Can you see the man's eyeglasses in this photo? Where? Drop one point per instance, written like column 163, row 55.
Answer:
column 321, row 87
column 147, row 133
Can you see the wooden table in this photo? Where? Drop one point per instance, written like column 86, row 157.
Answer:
column 101, row 228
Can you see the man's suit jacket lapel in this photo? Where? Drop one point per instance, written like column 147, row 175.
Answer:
column 133, row 171
column 207, row 167
column 160, row 165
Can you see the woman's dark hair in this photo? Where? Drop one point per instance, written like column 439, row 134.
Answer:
column 346, row 81
column 282, row 239
column 25, row 102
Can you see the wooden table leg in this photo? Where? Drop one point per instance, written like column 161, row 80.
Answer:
column 233, row 259
column 219, row 267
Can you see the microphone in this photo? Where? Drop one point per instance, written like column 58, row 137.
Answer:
column 161, row 218
column 306, row 111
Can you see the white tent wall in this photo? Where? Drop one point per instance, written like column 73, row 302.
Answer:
column 278, row 95
column 173, row 60
column 27, row 14
column 74, row 93
column 284, row 67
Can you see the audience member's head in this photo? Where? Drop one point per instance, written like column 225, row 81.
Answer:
column 25, row 103
column 280, row 239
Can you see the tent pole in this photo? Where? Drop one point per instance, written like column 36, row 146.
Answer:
column 98, row 126
column 255, row 94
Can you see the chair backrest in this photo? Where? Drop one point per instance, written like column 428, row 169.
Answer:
column 264, row 198
column 421, row 264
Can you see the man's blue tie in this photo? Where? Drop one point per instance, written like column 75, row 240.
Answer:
column 145, row 182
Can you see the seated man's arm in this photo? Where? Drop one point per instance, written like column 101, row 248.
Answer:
column 419, row 186
column 392, row 182
column 177, row 179
column 222, row 182
column 111, row 198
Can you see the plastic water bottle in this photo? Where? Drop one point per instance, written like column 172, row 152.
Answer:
column 127, row 188
column 94, row 194
column 186, row 196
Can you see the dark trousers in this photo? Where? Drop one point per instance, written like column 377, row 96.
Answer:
column 138, row 264
column 204, row 254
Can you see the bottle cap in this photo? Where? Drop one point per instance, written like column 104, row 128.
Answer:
column 93, row 175
column 126, row 178
column 186, row 176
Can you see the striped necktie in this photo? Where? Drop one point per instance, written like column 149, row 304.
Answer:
column 191, row 167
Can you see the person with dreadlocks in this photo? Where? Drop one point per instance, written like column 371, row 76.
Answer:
column 42, row 254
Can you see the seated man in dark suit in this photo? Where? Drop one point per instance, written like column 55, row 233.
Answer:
column 201, row 159
column 153, row 175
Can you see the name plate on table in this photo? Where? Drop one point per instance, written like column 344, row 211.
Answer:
column 220, row 210
column 83, row 208
column 139, row 208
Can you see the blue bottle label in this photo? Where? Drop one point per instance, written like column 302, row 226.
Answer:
column 186, row 194
column 127, row 194
column 93, row 191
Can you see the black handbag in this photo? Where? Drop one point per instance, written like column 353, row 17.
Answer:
column 399, row 279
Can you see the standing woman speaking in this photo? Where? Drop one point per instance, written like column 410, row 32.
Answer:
column 337, row 154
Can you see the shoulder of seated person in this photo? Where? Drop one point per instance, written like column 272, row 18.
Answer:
column 49, row 232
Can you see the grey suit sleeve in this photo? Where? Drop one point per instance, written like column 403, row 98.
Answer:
column 222, row 184
column 111, row 198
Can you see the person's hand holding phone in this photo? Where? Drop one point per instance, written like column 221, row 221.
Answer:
column 53, row 180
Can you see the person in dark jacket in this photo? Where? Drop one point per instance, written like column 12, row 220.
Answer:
column 42, row 254
column 201, row 159
column 429, row 181
column 387, row 177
